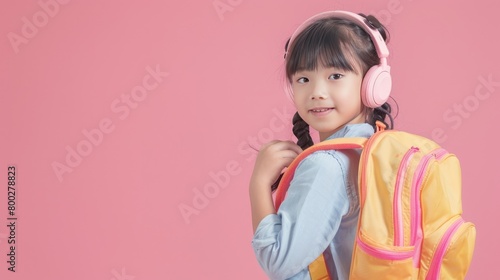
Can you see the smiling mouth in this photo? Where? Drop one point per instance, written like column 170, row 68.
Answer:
column 320, row 110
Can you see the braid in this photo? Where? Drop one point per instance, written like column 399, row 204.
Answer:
column 304, row 139
column 380, row 113
column 301, row 131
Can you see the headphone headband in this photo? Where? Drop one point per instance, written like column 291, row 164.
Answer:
column 378, row 40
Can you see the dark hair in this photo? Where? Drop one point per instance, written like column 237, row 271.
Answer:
column 338, row 43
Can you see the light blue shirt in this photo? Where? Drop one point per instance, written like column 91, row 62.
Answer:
column 320, row 212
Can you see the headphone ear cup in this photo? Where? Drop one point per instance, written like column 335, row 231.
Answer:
column 376, row 86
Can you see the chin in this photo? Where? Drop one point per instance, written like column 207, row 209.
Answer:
column 323, row 129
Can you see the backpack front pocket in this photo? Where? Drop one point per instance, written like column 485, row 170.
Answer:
column 450, row 259
column 380, row 261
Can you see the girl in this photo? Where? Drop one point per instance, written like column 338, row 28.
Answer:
column 327, row 61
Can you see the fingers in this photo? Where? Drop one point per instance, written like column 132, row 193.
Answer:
column 270, row 143
column 287, row 154
column 292, row 146
column 283, row 152
column 273, row 157
column 277, row 145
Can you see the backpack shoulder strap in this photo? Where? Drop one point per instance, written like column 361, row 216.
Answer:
column 333, row 144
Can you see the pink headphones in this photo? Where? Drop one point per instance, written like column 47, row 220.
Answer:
column 377, row 82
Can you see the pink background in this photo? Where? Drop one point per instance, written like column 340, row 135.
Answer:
column 116, row 215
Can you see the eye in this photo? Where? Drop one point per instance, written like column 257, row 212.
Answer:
column 335, row 76
column 302, row 80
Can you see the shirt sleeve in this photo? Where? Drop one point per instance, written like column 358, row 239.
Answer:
column 285, row 243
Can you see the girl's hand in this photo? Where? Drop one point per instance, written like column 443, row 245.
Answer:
column 271, row 159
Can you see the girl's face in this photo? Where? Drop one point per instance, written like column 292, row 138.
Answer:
column 328, row 98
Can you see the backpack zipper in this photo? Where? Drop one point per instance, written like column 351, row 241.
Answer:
column 417, row 182
column 440, row 154
column 435, row 268
column 398, row 196
column 384, row 254
column 416, row 215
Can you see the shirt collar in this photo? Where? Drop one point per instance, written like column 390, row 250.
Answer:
column 353, row 130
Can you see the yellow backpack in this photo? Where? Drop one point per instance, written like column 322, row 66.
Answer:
column 410, row 224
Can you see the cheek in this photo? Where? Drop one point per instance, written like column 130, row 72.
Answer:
column 352, row 95
column 300, row 107
column 295, row 92
column 299, row 99
column 351, row 99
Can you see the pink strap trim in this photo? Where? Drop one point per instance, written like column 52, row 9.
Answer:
column 334, row 144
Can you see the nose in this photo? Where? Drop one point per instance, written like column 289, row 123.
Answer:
column 319, row 90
